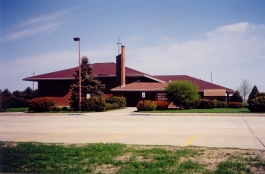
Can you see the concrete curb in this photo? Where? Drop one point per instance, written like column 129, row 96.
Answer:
column 200, row 114
column 132, row 114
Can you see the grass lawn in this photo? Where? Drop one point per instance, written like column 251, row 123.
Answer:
column 17, row 109
column 215, row 110
column 120, row 158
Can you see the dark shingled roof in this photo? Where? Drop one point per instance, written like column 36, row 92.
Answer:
column 201, row 83
column 100, row 69
column 109, row 69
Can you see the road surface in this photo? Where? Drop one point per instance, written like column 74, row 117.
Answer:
column 125, row 126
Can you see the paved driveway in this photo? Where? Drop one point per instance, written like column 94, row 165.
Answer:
column 126, row 126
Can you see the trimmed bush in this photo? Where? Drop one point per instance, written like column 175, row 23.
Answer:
column 3, row 103
column 95, row 103
column 221, row 104
column 112, row 106
column 161, row 105
column 236, row 105
column 205, row 104
column 146, row 105
column 121, row 101
column 42, row 104
column 257, row 104
column 55, row 108
column 14, row 102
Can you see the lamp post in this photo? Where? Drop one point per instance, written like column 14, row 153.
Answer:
column 79, row 69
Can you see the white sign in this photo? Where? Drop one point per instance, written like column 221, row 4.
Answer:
column 143, row 94
column 88, row 96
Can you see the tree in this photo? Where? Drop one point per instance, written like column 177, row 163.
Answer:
column 253, row 93
column 6, row 93
column 236, row 97
column 182, row 93
column 89, row 85
column 18, row 94
column 244, row 88
column 28, row 93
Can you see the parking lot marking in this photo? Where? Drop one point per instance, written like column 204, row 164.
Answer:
column 109, row 138
column 189, row 141
column 38, row 137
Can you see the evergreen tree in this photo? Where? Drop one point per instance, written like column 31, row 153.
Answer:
column 28, row 93
column 89, row 85
column 6, row 93
column 253, row 93
column 236, row 97
column 18, row 94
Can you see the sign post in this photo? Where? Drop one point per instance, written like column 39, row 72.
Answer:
column 143, row 97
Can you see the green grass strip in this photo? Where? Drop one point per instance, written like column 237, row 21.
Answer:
column 119, row 158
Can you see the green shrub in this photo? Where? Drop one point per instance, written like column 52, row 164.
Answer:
column 182, row 93
column 146, row 105
column 3, row 103
column 221, row 104
column 95, row 103
column 236, row 105
column 121, row 101
column 205, row 104
column 64, row 108
column 112, row 106
column 42, row 104
column 161, row 105
column 14, row 102
column 55, row 108
column 257, row 104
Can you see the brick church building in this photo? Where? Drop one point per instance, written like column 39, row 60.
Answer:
column 121, row 80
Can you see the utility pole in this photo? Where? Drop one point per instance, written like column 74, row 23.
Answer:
column 33, row 83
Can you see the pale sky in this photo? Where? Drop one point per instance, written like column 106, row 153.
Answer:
column 169, row 37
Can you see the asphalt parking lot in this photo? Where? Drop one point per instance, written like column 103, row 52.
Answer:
column 125, row 126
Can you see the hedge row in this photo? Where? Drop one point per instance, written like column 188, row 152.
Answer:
column 12, row 102
column 115, row 102
column 99, row 104
column 149, row 105
column 210, row 104
column 236, row 105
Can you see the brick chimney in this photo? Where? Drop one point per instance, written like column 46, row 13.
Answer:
column 120, row 68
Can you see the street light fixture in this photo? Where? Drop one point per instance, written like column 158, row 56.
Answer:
column 79, row 77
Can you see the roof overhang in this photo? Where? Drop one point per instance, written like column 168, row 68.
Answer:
column 141, row 86
column 44, row 79
column 137, row 90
